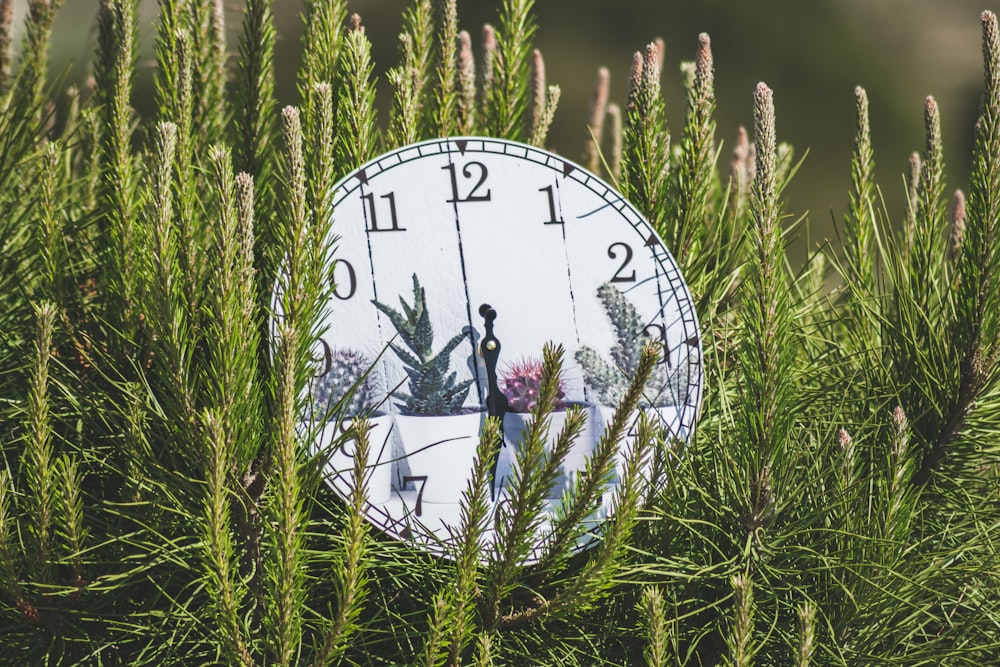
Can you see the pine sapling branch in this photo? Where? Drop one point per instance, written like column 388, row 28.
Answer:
column 956, row 228
column 597, row 111
column 646, row 149
column 295, row 269
column 899, row 472
column 600, row 465
column 516, row 522
column 436, row 637
column 31, row 78
column 654, row 616
column 507, row 104
column 740, row 638
column 41, row 473
column 117, row 55
column 208, row 30
column 256, row 122
column 475, row 507
column 231, row 332
column 72, row 528
column 166, row 78
column 358, row 135
column 320, row 136
column 322, row 41
column 766, row 370
column 536, row 95
column 465, row 109
column 10, row 582
column 222, row 575
column 696, row 175
column 446, row 95
column 417, row 45
column 595, row 577
column 912, row 201
column 977, row 328
column 284, row 559
column 616, row 149
column 48, row 232
column 352, row 577
column 255, row 84
column 484, row 651
column 6, row 41
column 405, row 119
column 860, row 223
column 487, row 71
column 926, row 257
column 167, row 306
column 807, row 634
column 190, row 232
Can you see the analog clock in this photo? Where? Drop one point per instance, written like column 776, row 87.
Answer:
column 457, row 260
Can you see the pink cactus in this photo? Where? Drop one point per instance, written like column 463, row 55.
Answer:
column 522, row 383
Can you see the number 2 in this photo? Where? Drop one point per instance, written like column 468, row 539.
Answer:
column 619, row 276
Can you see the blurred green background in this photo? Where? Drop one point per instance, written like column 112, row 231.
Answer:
column 812, row 53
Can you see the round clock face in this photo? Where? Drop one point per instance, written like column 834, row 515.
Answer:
column 457, row 260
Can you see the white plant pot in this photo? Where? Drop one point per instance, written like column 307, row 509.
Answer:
column 437, row 454
column 339, row 469
column 515, row 425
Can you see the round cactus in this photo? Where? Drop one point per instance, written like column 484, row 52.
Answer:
column 522, row 383
column 348, row 376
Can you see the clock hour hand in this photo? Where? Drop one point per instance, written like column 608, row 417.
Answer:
column 496, row 401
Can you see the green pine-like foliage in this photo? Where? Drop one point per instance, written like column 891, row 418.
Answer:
column 163, row 279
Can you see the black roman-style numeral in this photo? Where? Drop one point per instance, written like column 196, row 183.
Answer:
column 344, row 290
column 326, row 360
column 472, row 170
column 419, row 508
column 659, row 332
column 554, row 219
column 373, row 225
column 620, row 275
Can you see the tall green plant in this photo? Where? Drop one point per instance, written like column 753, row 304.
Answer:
column 163, row 280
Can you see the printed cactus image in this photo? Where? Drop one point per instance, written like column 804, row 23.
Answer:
column 610, row 379
column 433, row 391
column 522, row 383
column 348, row 388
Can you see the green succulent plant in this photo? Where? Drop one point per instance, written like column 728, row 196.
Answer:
column 611, row 379
column 433, row 390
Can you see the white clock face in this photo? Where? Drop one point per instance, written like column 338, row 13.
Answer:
column 428, row 234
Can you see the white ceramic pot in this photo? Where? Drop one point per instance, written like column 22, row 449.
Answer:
column 339, row 469
column 515, row 425
column 437, row 454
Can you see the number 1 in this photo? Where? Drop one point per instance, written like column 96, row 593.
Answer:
column 553, row 220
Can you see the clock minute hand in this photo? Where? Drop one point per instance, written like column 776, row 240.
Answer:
column 496, row 401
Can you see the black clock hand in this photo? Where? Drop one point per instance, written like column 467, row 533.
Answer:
column 496, row 401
